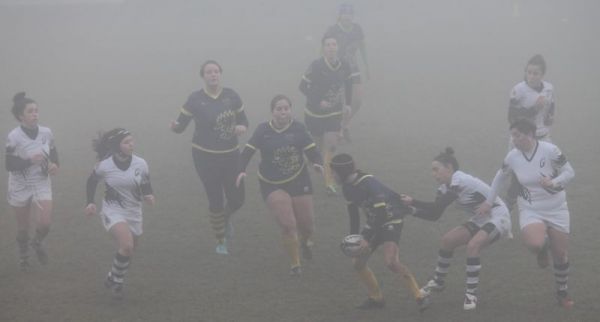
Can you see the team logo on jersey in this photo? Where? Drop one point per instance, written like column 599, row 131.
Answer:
column 225, row 125
column 287, row 159
column 542, row 162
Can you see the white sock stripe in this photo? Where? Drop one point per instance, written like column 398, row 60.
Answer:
column 472, row 280
column 473, row 268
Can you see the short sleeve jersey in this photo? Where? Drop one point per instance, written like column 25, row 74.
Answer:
column 20, row 145
column 215, row 118
column 470, row 192
column 348, row 41
column 123, row 187
column 326, row 83
column 545, row 161
column 367, row 193
column 523, row 96
column 281, row 151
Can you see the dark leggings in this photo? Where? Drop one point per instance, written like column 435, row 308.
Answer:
column 218, row 172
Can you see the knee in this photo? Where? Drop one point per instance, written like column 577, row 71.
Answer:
column 126, row 248
column 446, row 244
column 473, row 248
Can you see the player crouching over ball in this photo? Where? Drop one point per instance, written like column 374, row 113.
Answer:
column 384, row 211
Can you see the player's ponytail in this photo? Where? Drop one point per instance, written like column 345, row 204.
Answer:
column 447, row 158
column 108, row 143
column 20, row 101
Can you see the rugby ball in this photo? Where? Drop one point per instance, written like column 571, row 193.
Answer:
column 351, row 245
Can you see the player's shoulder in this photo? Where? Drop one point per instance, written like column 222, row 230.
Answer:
column 230, row 92
column 548, row 86
column 14, row 133
column 297, row 126
column 460, row 178
column 548, row 147
column 44, row 130
column 520, row 87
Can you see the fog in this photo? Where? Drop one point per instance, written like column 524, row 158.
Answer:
column 441, row 72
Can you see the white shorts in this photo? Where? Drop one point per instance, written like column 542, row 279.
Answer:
column 110, row 217
column 20, row 194
column 500, row 217
column 558, row 218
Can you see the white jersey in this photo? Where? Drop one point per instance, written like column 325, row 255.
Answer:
column 470, row 191
column 523, row 96
column 123, row 187
column 546, row 160
column 19, row 144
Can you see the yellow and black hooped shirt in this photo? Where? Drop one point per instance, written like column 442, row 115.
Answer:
column 323, row 81
column 281, row 150
column 215, row 118
column 380, row 204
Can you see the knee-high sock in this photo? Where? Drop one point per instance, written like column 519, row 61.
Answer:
column 561, row 274
column 218, row 222
column 40, row 234
column 290, row 242
column 119, row 267
column 443, row 263
column 368, row 278
column 23, row 242
column 411, row 283
column 326, row 168
column 473, row 268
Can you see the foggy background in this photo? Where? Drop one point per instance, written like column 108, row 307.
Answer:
column 441, row 72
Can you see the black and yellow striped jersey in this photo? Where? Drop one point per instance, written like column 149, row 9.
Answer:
column 380, row 204
column 215, row 118
column 281, row 150
column 323, row 81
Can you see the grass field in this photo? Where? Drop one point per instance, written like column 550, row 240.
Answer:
column 439, row 77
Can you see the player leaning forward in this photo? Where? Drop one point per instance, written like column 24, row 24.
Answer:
column 543, row 172
column 385, row 212
column 127, row 182
column 30, row 158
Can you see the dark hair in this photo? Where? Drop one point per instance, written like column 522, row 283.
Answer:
column 209, row 62
column 109, row 143
column 447, row 158
column 343, row 165
column 538, row 60
column 524, row 127
column 328, row 36
column 278, row 98
column 20, row 101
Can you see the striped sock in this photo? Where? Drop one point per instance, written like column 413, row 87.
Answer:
column 218, row 222
column 473, row 268
column 368, row 278
column 561, row 274
column 443, row 263
column 290, row 242
column 119, row 268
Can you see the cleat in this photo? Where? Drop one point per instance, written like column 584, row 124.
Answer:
column 40, row 252
column 371, row 304
column 565, row 301
column 115, row 287
column 432, row 285
column 296, row 271
column 423, row 302
column 221, row 249
column 307, row 250
column 542, row 257
column 331, row 190
column 24, row 265
column 470, row 302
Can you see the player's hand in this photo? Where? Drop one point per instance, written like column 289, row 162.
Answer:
column 52, row 168
column 90, row 210
column 37, row 158
column 547, row 182
column 174, row 125
column 325, row 105
column 364, row 247
column 149, row 199
column 239, row 179
column 239, row 130
column 484, row 208
column 539, row 103
column 319, row 168
column 406, row 199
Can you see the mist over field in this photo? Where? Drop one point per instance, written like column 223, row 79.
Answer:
column 441, row 72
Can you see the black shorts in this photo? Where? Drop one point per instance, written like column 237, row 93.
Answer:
column 299, row 186
column 317, row 126
column 385, row 233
